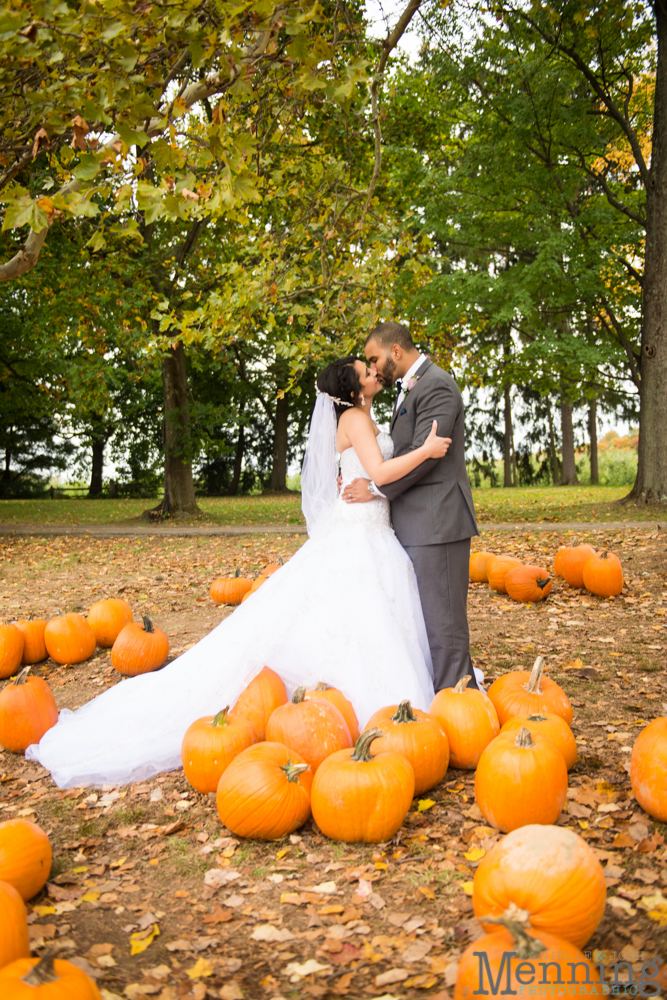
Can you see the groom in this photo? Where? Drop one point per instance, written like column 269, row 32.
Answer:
column 432, row 508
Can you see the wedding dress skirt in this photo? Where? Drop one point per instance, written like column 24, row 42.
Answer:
column 345, row 610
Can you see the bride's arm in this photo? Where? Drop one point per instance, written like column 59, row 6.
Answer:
column 359, row 430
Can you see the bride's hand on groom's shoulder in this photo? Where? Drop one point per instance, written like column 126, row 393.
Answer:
column 434, row 446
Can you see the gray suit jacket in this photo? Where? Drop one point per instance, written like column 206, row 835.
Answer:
column 433, row 503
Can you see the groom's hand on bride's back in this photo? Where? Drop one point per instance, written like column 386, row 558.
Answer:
column 357, row 491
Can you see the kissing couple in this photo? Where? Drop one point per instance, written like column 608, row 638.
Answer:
column 374, row 603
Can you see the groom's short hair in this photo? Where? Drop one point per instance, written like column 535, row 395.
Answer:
column 388, row 334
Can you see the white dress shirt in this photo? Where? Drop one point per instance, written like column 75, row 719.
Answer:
column 412, row 370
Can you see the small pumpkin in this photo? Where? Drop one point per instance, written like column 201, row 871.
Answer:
column 418, row 736
column 574, row 560
column 344, row 706
column 265, row 792
column 272, row 568
column 520, row 780
column 25, row 856
column 497, row 569
column 46, row 978
column 246, row 596
column 521, row 693
column 553, row 727
column 108, row 618
column 11, row 650
column 27, row 710
column 603, row 574
column 259, row 699
column 34, row 647
column 256, row 584
column 211, row 744
column 139, row 648
column 314, row 728
column 230, row 590
column 359, row 797
column 549, row 872
column 648, row 769
column 528, row 584
column 69, row 639
column 558, row 560
column 14, row 942
column 469, row 720
column 478, row 566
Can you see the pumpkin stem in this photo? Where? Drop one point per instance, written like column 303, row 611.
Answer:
column 536, row 718
column 404, row 713
column 42, row 973
column 292, row 771
column 524, row 739
column 362, row 748
column 148, row 624
column 322, row 686
column 237, row 573
column 535, row 679
column 605, row 554
column 220, row 719
column 542, row 582
column 462, row 684
column 517, row 921
column 299, row 695
column 21, row 678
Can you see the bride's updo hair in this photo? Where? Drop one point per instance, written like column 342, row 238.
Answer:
column 341, row 381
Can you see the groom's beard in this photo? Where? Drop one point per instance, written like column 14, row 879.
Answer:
column 388, row 373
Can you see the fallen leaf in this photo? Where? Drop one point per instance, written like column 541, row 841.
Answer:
column 475, row 854
column 391, row 976
column 141, row 940
column 267, row 932
column 219, row 916
column 297, row 971
column 424, row 804
column 200, row 969
column 426, row 891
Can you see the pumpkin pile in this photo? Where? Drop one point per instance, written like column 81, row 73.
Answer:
column 236, row 589
column 600, row 573
column 25, row 863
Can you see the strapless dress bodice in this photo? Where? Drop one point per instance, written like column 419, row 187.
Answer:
column 377, row 511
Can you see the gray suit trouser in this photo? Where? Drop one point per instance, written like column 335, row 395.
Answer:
column 442, row 577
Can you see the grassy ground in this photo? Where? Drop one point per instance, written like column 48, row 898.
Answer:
column 563, row 503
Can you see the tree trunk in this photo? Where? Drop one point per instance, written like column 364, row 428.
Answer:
column 569, row 473
column 593, row 437
column 6, row 472
column 97, row 470
column 279, row 470
column 238, row 459
column 555, row 471
column 507, row 455
column 651, row 482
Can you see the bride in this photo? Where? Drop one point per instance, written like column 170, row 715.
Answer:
column 345, row 610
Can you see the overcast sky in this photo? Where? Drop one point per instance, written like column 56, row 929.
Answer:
column 383, row 15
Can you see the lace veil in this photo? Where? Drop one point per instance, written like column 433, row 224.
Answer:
column 319, row 472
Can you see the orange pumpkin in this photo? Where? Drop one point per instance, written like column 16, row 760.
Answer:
column 256, row 703
column 265, row 792
column 359, row 797
column 553, row 727
column 603, row 574
column 46, row 978
column 139, row 648
column 11, row 649
column 551, row 873
column 528, row 584
column 34, row 647
column 27, row 710
column 69, row 639
column 497, row 569
column 648, row 769
column 523, row 693
column 479, row 562
column 256, row 584
column 314, row 728
column 418, row 736
column 469, row 720
column 211, row 744
column 230, row 590
column 272, row 568
column 246, row 596
column 520, row 780
column 558, row 560
column 13, row 926
column 25, row 856
column 344, row 706
column 574, row 560
column 108, row 618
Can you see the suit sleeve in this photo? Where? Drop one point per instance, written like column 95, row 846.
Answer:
column 439, row 402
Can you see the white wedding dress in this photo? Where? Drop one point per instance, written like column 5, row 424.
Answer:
column 345, row 610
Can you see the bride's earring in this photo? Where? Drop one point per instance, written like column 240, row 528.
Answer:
column 363, row 401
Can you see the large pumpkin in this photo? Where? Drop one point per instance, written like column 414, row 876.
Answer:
column 469, row 720
column 46, row 978
column 25, row 856
column 479, row 562
column 553, row 727
column 27, row 710
column 528, row 584
column 359, row 797
column 551, row 873
column 418, row 736
column 261, row 697
column 34, row 647
column 603, row 574
column 265, row 792
column 344, row 706
column 139, row 648
column 523, row 693
column 14, row 941
column 574, row 560
column 497, row 569
column 520, row 780
column 314, row 728
column 211, row 744
column 11, row 650
column 69, row 639
column 558, row 560
column 230, row 589
column 108, row 618
column 648, row 769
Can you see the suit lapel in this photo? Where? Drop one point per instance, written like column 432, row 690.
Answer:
column 421, row 371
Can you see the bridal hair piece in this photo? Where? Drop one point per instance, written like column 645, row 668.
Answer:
column 335, row 399
column 319, row 472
